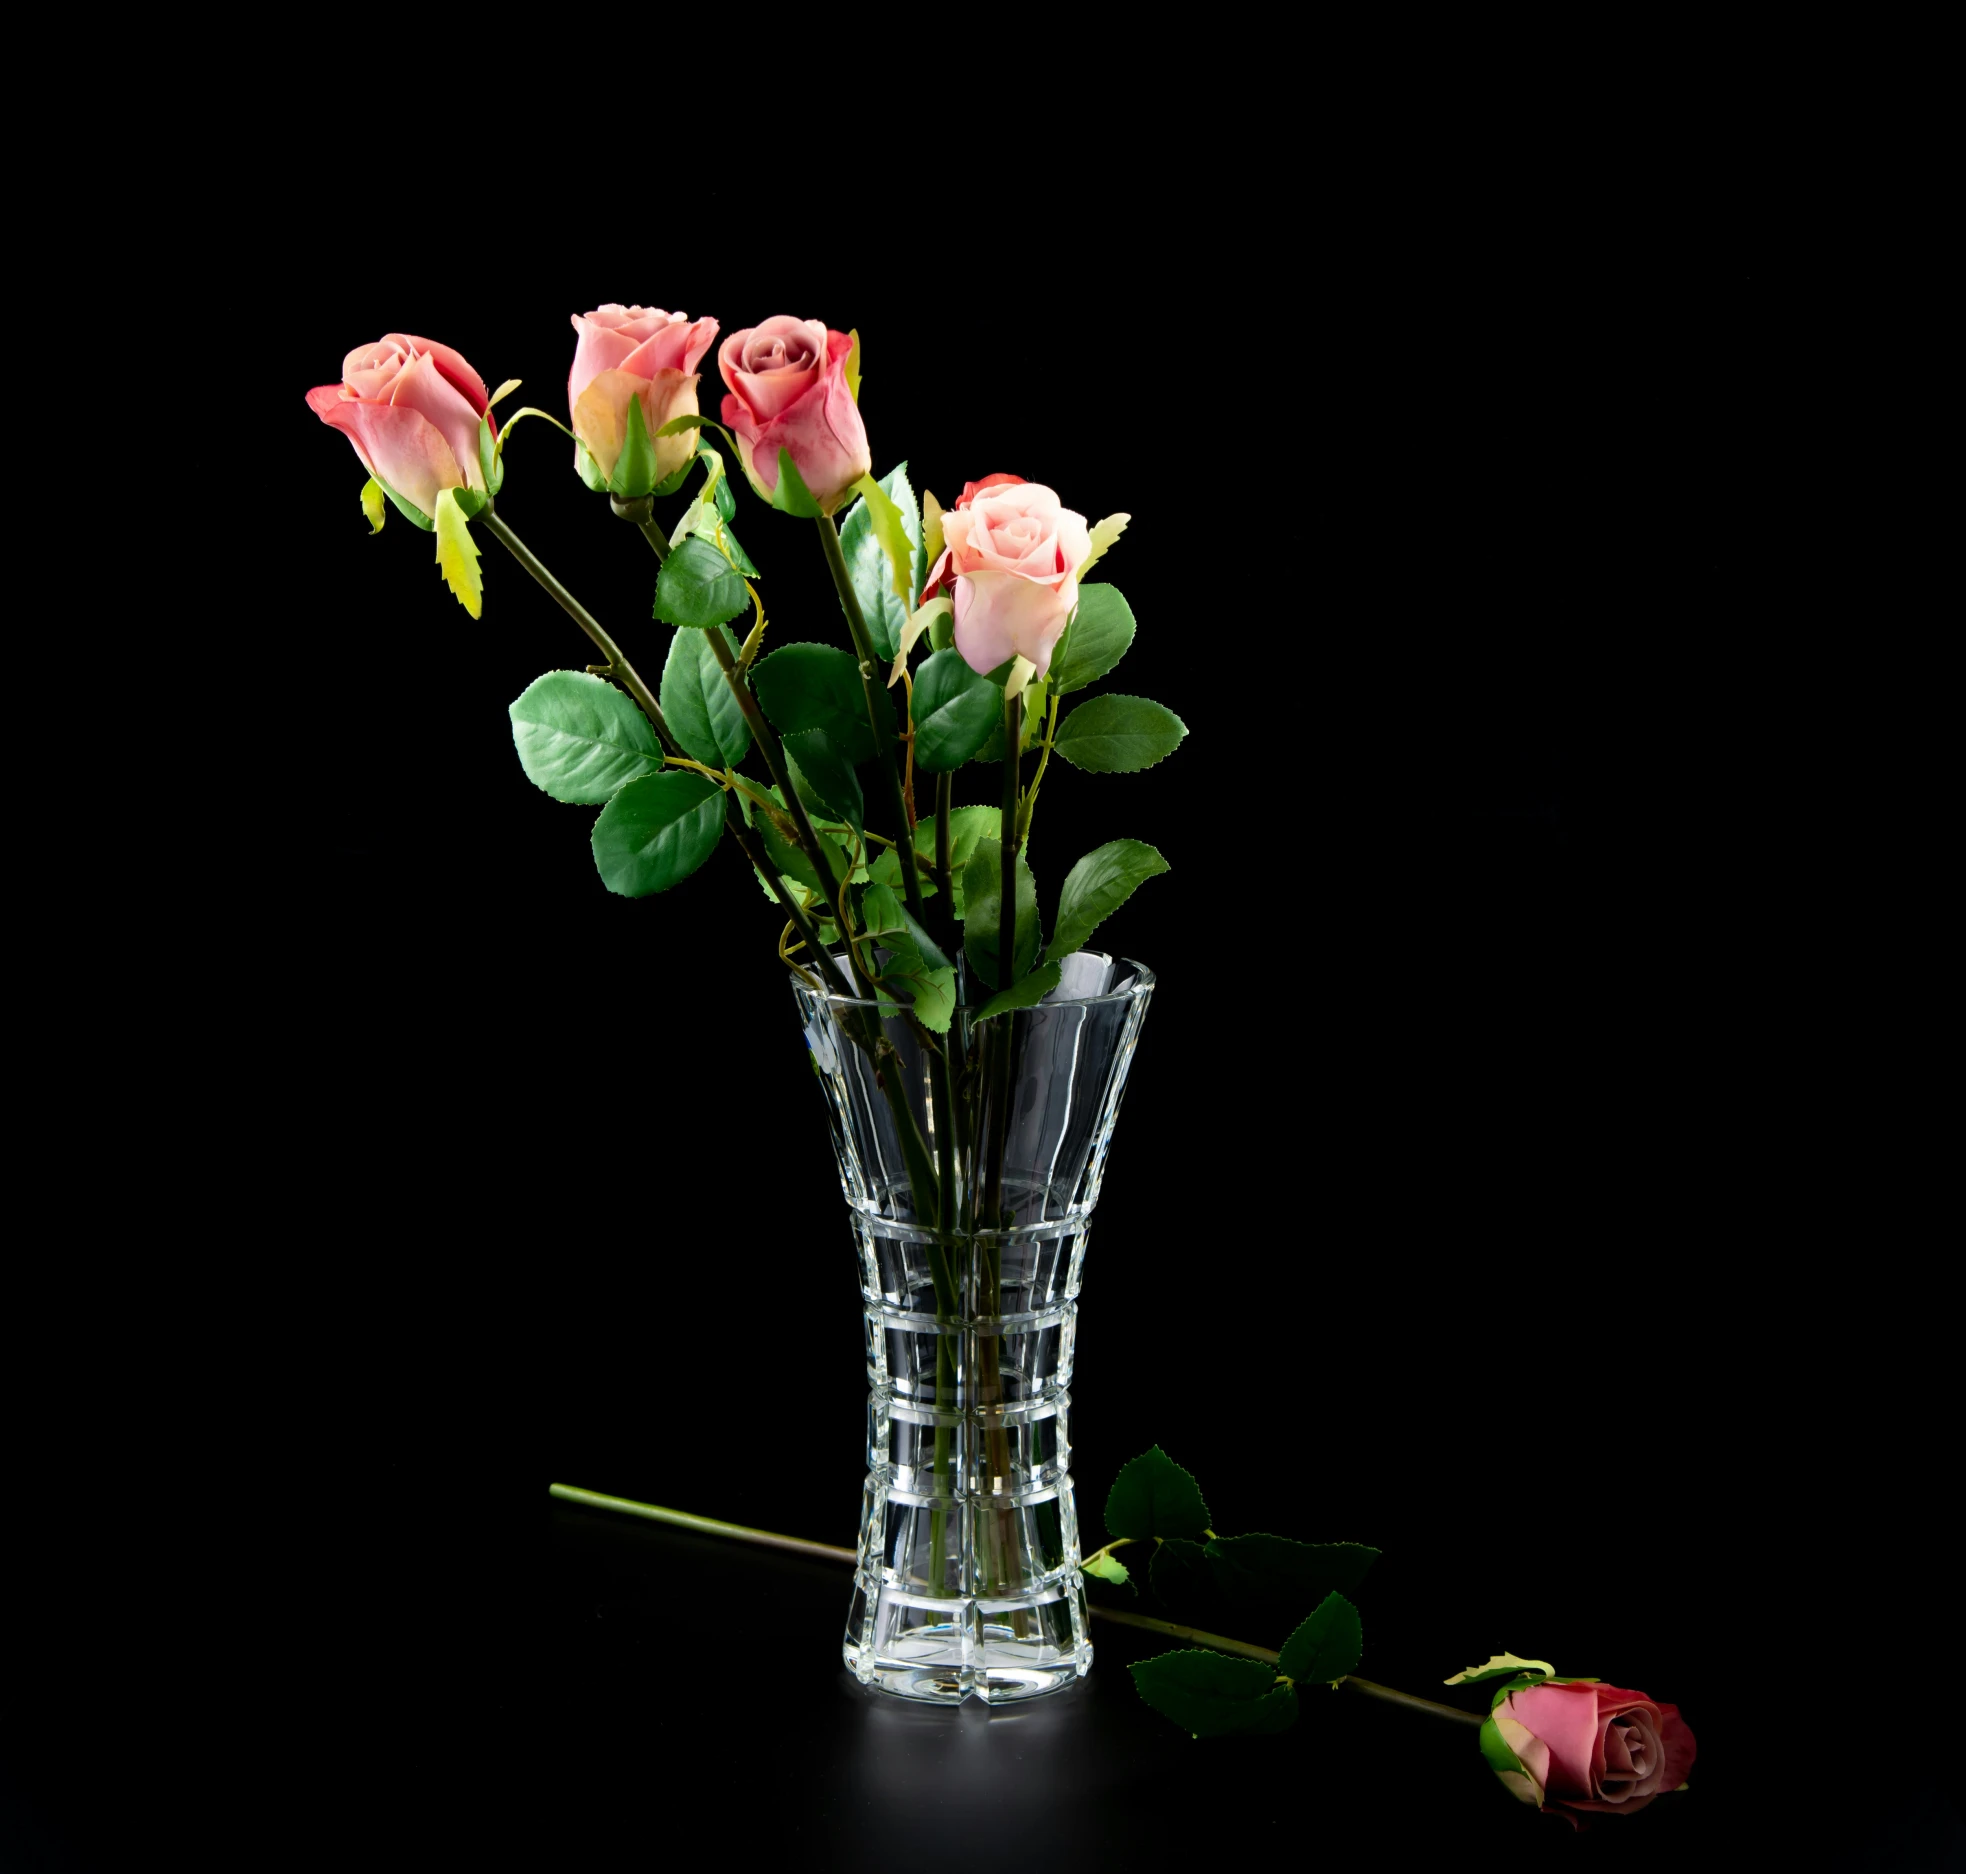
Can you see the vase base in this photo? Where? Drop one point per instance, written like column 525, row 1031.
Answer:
column 949, row 1683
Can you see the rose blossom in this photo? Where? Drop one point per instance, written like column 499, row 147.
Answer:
column 1012, row 553
column 636, row 354
column 788, row 390
column 1588, row 1748
column 411, row 408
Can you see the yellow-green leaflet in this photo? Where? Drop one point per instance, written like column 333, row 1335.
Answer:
column 1103, row 537
column 700, row 517
column 373, row 504
column 502, row 392
column 457, row 554
column 918, row 622
column 853, row 366
column 1503, row 1662
column 1022, row 670
column 931, row 528
column 892, row 535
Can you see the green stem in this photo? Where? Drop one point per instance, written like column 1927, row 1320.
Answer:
column 798, row 1545
column 873, row 689
column 1030, row 802
column 622, row 668
column 642, row 512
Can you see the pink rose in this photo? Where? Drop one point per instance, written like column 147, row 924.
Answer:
column 411, row 408
column 788, row 390
column 636, row 354
column 1589, row 1749
column 1012, row 553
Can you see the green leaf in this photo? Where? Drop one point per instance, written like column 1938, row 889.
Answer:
column 819, row 762
column 1212, row 1695
column 488, row 456
column 408, row 509
column 588, row 469
column 1499, row 1666
column 1154, row 1496
column 1026, row 993
column 780, row 837
column 954, row 711
column 881, row 542
column 697, row 587
column 967, row 827
column 656, row 831
column 1270, row 1580
column 792, row 496
column 1119, row 734
column 1097, row 886
column 580, row 739
column 372, row 504
column 457, row 554
column 719, row 485
column 983, row 893
column 817, row 686
column 886, row 868
column 702, row 712
column 1034, row 702
column 1098, row 637
column 1108, row 1568
column 1327, row 1646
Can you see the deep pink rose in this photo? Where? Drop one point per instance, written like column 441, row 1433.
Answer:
column 1011, row 556
column 411, row 408
column 636, row 354
column 1587, row 1749
column 788, row 390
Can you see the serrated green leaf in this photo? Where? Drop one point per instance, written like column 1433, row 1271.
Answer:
column 983, row 897
column 1154, row 1496
column 1119, row 734
column 580, row 739
column 817, row 686
column 1097, row 886
column 702, row 712
column 1026, row 993
column 1100, row 541
column 1497, row 1666
column 954, row 710
column 1107, row 1568
column 489, row 462
column 373, row 505
column 967, row 825
column 697, row 588
column 457, row 554
column 1097, row 638
column 779, row 835
column 1327, row 1645
column 656, row 831
column 827, row 776
column 792, row 496
column 1212, row 1695
column 935, row 998
column 1270, row 1580
column 874, row 560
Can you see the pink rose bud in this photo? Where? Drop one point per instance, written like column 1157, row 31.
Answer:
column 411, row 408
column 788, row 390
column 1012, row 554
column 636, row 354
column 1587, row 1749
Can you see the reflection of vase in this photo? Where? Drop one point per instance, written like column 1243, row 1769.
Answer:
column 968, row 1581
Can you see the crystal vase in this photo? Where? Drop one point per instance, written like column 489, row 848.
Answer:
column 970, row 1164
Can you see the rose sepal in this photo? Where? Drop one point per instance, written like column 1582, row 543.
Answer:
column 1507, row 1765
column 1498, row 1665
column 489, row 459
column 587, row 468
column 407, row 508
column 634, row 468
column 792, row 496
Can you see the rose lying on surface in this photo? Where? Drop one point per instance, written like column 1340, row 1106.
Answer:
column 1011, row 554
column 411, row 408
column 1580, row 1747
column 788, row 390
column 636, row 354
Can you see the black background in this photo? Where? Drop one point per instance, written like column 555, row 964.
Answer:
column 1488, row 1187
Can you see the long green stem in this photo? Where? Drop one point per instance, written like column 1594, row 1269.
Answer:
column 798, row 1545
column 630, row 679
column 874, row 690
column 1030, row 802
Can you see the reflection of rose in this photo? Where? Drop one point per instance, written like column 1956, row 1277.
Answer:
column 636, row 354
column 411, row 408
column 1011, row 554
column 1587, row 1748
column 788, row 390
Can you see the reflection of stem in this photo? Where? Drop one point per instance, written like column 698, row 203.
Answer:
column 1220, row 1643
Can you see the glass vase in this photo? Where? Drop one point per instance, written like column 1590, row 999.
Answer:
column 970, row 1164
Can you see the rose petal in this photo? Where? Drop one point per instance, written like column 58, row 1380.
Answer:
column 600, row 348
column 454, row 368
column 422, row 387
column 1565, row 1718
column 400, row 445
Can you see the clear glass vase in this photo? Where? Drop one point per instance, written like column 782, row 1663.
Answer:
column 970, row 1170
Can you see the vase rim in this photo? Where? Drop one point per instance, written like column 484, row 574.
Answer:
column 1137, row 985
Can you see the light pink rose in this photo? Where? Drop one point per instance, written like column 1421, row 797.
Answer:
column 1011, row 554
column 636, row 354
column 411, row 408
column 1588, row 1749
column 788, row 390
